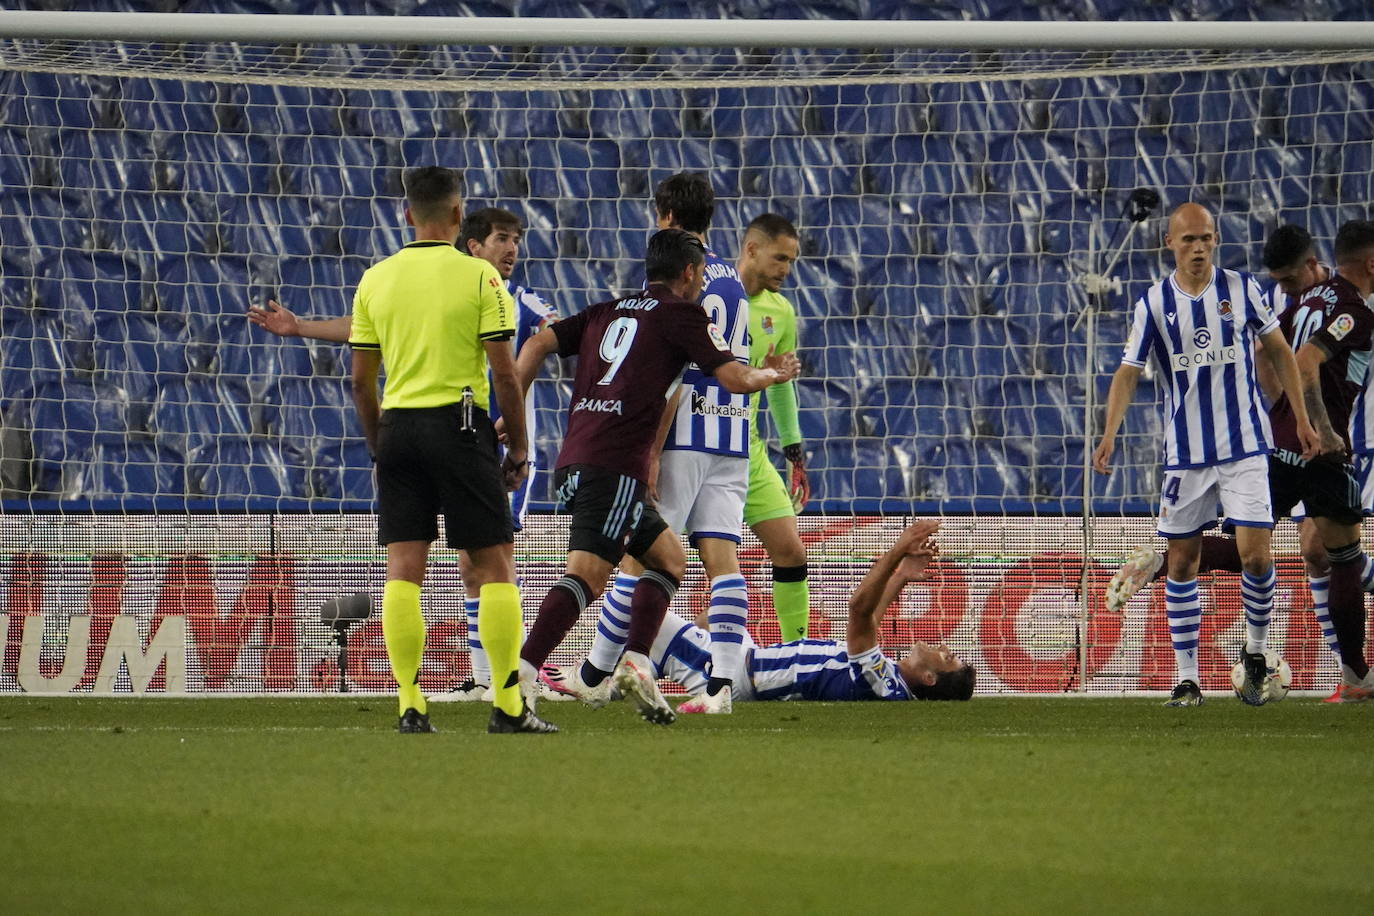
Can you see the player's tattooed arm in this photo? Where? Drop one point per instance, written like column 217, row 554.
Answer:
column 1309, row 358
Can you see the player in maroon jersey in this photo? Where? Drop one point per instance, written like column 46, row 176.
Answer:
column 631, row 354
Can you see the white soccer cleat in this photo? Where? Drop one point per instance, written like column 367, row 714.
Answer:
column 467, row 692
column 1137, row 572
column 721, row 704
column 635, row 678
column 566, row 684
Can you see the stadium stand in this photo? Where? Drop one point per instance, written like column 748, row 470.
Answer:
column 140, row 215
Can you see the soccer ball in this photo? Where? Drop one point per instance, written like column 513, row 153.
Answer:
column 1277, row 678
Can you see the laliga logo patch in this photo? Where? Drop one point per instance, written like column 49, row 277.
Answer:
column 1202, row 337
column 1341, row 326
column 716, row 339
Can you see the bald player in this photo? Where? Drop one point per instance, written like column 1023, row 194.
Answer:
column 1199, row 325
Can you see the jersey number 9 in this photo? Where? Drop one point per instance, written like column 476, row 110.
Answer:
column 615, row 345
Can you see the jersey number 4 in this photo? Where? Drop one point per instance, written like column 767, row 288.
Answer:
column 615, row 345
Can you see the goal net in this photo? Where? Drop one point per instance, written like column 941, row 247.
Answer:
column 967, row 263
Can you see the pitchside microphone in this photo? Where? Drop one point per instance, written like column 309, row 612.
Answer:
column 341, row 613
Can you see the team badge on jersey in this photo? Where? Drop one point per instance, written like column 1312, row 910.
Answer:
column 1224, row 307
column 1342, row 326
column 768, row 324
column 716, row 337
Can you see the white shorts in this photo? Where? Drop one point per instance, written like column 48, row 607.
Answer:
column 1188, row 504
column 1364, row 475
column 702, row 494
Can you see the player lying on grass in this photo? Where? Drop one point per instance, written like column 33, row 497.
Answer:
column 820, row 669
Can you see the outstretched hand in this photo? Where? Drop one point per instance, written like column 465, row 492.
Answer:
column 785, row 365
column 276, row 318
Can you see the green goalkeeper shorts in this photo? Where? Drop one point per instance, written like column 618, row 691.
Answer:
column 767, row 497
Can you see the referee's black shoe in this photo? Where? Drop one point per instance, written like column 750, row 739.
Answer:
column 503, row 723
column 414, row 722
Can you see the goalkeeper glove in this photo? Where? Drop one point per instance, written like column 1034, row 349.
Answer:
column 798, row 487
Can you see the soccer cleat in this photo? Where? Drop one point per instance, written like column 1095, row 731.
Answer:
column 1335, row 695
column 1355, row 693
column 527, row 723
column 1137, row 572
column 414, row 722
column 467, row 692
column 636, row 681
column 720, row 703
column 567, row 683
column 1251, row 692
column 1185, row 694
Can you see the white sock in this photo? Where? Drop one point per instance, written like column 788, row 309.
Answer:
column 1257, row 596
column 612, row 624
column 1185, row 621
column 727, row 613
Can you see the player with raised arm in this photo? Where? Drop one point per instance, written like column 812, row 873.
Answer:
column 766, row 258
column 493, row 235
column 631, row 354
column 702, row 476
column 1198, row 324
column 441, row 322
column 821, row 669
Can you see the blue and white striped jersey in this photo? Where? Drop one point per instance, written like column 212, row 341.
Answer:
column 1204, row 346
column 709, row 418
column 1362, row 415
column 532, row 314
column 819, row 669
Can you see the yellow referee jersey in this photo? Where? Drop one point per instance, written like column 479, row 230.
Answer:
column 428, row 308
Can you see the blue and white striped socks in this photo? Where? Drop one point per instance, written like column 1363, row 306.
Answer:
column 1185, row 621
column 727, row 614
column 612, row 624
column 481, row 668
column 1321, row 592
column 1257, row 597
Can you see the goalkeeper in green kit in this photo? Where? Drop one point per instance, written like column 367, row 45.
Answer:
column 766, row 257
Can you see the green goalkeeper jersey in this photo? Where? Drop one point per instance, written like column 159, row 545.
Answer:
column 773, row 322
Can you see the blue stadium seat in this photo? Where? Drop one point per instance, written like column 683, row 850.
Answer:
column 106, row 164
column 32, row 354
column 1030, row 408
column 849, row 469
column 234, row 467
column 854, row 348
column 967, row 347
column 825, row 408
column 306, row 413
column 68, row 417
column 853, row 227
column 35, row 224
column 1027, row 285
column 635, row 114
column 15, row 159
column 130, row 468
column 53, row 100
column 190, row 414
column 343, row 471
column 203, row 287
column 370, row 230
column 219, row 164
column 153, row 226
column 271, row 226
column 139, row 351
column 904, row 408
column 1067, row 224
column 80, row 285
column 168, row 106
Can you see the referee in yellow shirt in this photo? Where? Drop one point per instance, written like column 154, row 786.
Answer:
column 437, row 318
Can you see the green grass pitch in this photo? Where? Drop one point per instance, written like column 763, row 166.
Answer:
column 994, row 806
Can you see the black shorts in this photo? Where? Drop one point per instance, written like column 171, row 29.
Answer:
column 428, row 464
column 610, row 516
column 1326, row 487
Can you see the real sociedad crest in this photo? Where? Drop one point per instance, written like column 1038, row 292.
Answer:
column 1224, row 306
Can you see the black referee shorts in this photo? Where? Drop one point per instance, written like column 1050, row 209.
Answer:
column 610, row 516
column 1326, row 487
column 428, row 464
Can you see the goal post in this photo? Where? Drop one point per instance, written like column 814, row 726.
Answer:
column 963, row 194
